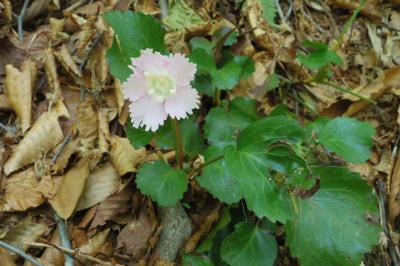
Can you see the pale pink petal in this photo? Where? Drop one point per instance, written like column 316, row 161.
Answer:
column 134, row 87
column 181, row 70
column 148, row 113
column 182, row 103
column 149, row 61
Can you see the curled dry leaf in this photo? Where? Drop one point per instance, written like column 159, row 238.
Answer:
column 47, row 186
column 112, row 206
column 4, row 102
column 124, row 157
column 205, row 226
column 66, row 60
column 97, row 64
column 18, row 86
column 23, row 233
column 62, row 160
column 94, row 243
column 10, row 53
column 87, row 122
column 6, row 259
column 134, row 236
column 51, row 72
column 35, row 9
column 72, row 186
column 104, row 130
column 44, row 135
column 51, row 255
column 21, row 191
column 100, row 184
column 7, row 9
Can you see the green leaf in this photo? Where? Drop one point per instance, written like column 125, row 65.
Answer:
column 217, row 179
column 203, row 84
column 161, row 182
column 224, row 220
column 331, row 228
column 222, row 126
column 181, row 17
column 202, row 43
column 204, row 61
column 260, row 192
column 136, row 32
column 258, row 135
column 283, row 160
column 270, row 11
column 249, row 245
column 138, row 137
column 193, row 143
column 272, row 82
column 348, row 137
column 246, row 64
column 319, row 57
column 191, row 260
column 227, row 76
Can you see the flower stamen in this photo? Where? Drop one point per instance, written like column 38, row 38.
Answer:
column 161, row 85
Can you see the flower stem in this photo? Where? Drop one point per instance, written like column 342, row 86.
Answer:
column 178, row 143
column 217, row 97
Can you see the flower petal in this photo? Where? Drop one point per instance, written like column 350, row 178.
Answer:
column 148, row 113
column 182, row 103
column 149, row 61
column 134, row 87
column 181, row 70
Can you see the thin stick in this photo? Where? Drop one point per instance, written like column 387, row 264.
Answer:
column 20, row 253
column 21, row 20
column 178, row 143
column 63, row 144
column 64, row 239
column 348, row 91
column 71, row 252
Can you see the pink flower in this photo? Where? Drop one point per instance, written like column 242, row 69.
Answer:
column 160, row 86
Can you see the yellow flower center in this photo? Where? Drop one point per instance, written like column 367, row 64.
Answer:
column 161, row 85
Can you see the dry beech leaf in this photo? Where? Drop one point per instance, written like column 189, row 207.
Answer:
column 95, row 243
column 44, row 135
column 6, row 259
column 119, row 96
column 66, row 198
column 51, row 255
column 51, row 72
column 205, row 226
column 134, row 236
column 4, row 102
column 7, row 11
column 66, row 60
column 86, row 36
column 18, row 86
column 21, row 191
column 97, row 64
column 35, row 9
column 62, row 160
column 87, row 122
column 47, row 186
column 23, row 233
column 100, row 184
column 104, row 130
column 124, row 157
column 112, row 206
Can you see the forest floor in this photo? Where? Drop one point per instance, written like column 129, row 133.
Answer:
column 56, row 59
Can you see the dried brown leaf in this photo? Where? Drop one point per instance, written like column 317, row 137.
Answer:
column 51, row 72
column 44, row 135
column 134, row 236
column 11, row 54
column 52, row 255
column 112, row 206
column 18, row 86
column 47, row 186
column 35, row 9
column 97, row 64
column 205, row 226
column 72, row 186
column 65, row 58
column 95, row 243
column 6, row 259
column 104, row 130
column 124, row 157
column 21, row 191
column 394, row 191
column 23, row 233
column 87, row 122
column 7, row 12
column 66, row 153
column 100, row 184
